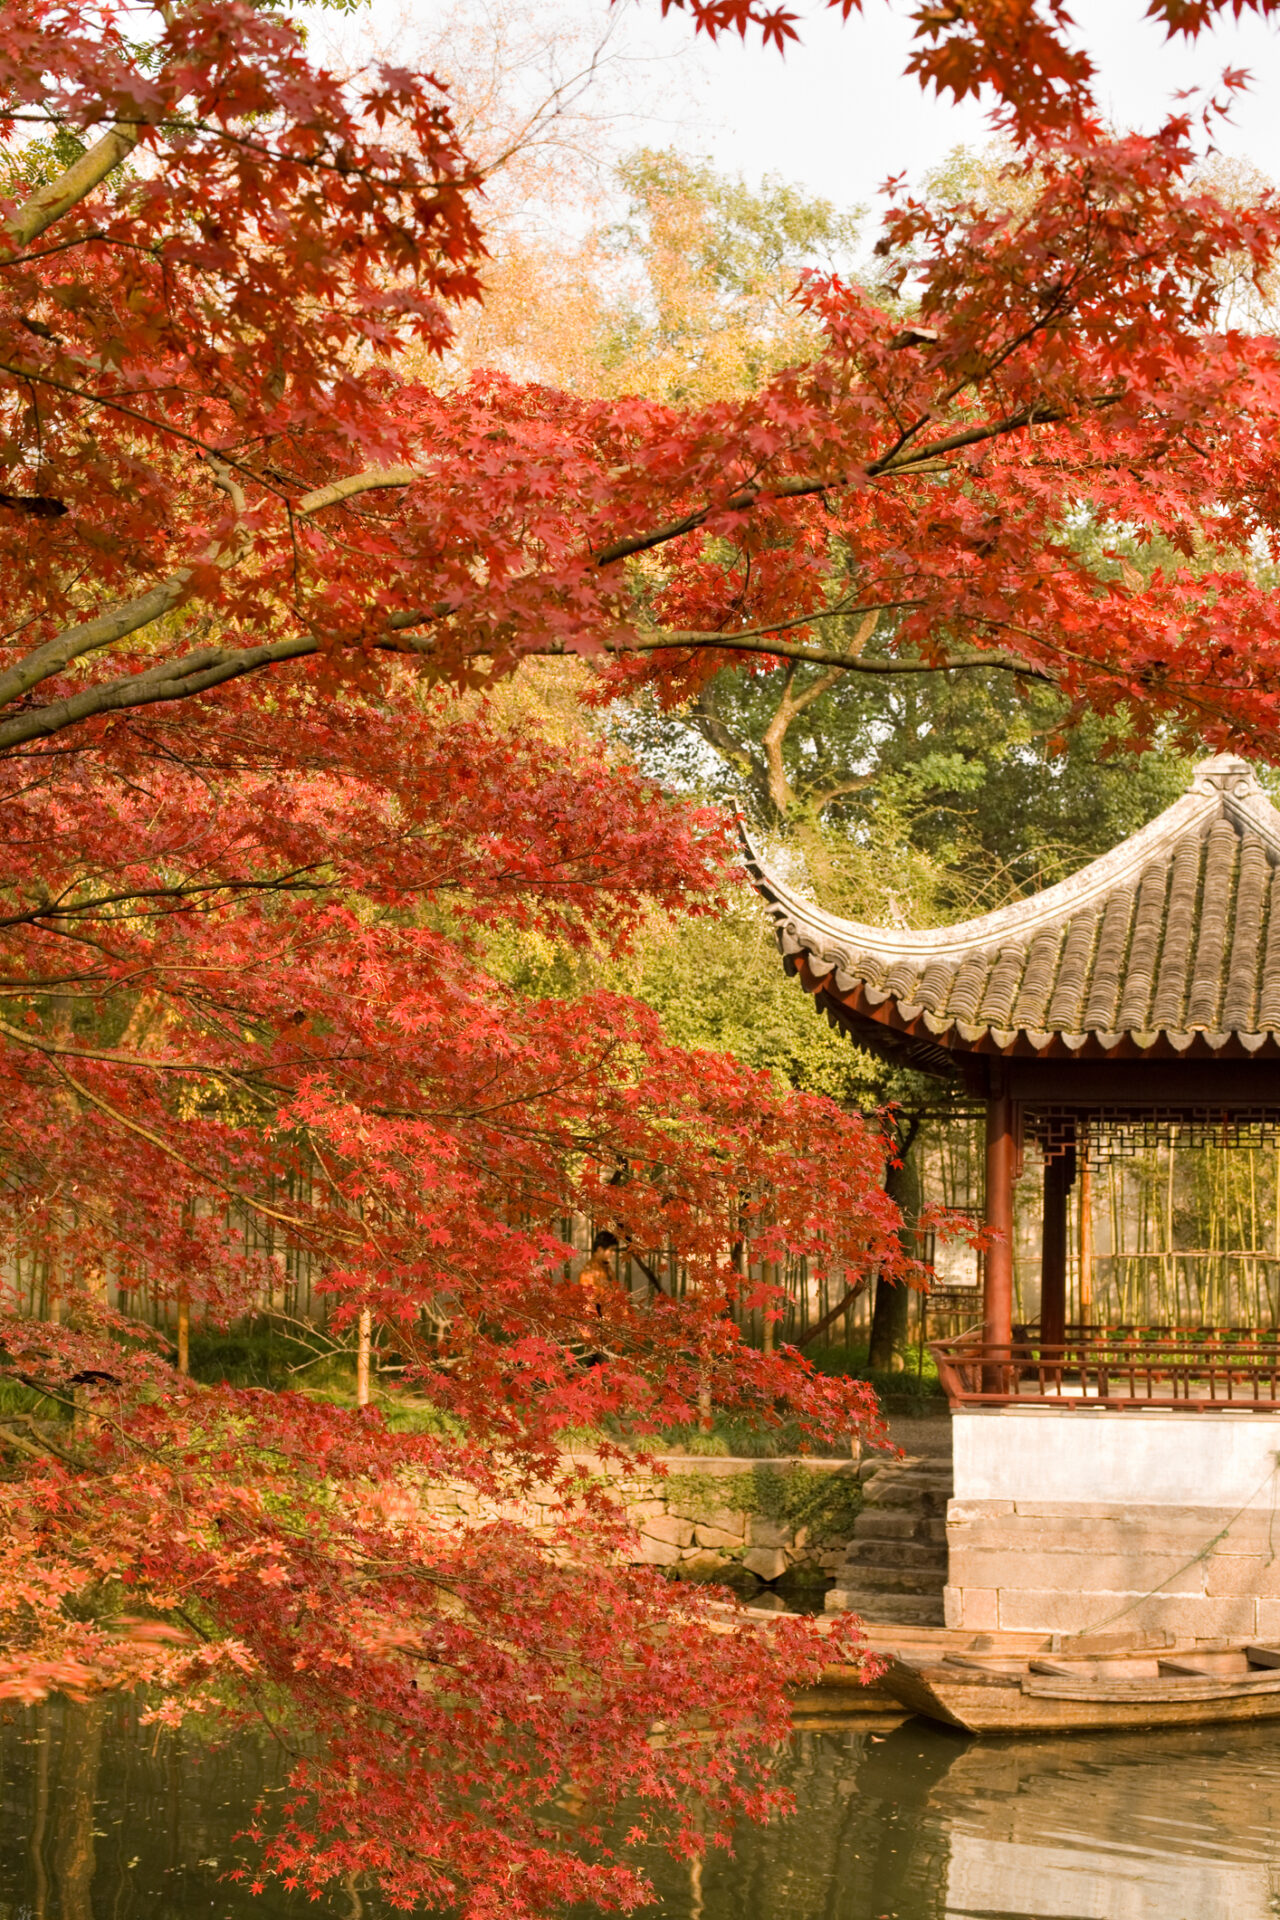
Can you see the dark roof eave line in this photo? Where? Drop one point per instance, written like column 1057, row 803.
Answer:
column 885, row 1016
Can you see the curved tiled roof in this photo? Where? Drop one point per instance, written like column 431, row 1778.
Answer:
column 1170, row 942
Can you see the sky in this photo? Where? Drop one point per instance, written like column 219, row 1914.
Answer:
column 838, row 115
column 835, row 114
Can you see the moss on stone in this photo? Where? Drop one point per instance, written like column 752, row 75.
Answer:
column 825, row 1503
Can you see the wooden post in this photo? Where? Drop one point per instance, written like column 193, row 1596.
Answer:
column 364, row 1343
column 1053, row 1253
column 1086, row 1240
column 997, row 1294
column 184, row 1331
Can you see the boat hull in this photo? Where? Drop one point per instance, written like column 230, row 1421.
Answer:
column 1000, row 1705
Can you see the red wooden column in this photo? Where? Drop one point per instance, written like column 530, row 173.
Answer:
column 997, row 1299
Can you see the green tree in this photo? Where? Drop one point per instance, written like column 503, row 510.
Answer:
column 710, row 268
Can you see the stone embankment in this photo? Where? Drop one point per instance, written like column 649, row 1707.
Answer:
column 749, row 1521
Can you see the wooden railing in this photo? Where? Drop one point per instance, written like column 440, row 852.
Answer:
column 1125, row 1367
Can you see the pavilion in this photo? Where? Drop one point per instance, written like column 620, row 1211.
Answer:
column 1139, row 997
column 1141, row 994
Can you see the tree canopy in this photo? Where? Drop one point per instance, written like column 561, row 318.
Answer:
column 262, row 817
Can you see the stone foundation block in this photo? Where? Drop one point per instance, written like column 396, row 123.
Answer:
column 1268, row 1627
column 967, row 1512
column 975, row 1608
column 669, row 1527
column 1040, row 1569
column 1156, row 1532
column 657, row 1553
column 767, row 1563
column 767, row 1533
column 1030, row 1611
column 716, row 1536
column 1243, row 1575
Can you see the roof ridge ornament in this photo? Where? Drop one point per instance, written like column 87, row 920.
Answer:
column 1225, row 773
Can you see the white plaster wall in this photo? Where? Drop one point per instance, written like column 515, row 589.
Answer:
column 1225, row 1460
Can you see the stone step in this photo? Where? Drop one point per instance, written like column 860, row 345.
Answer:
column 888, row 1609
column 889, row 1523
column 932, row 1478
column 899, row 1523
column 897, row 1553
column 892, row 1579
column 902, row 1494
column 896, row 1564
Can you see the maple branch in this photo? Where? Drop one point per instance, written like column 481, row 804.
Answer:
column 92, row 635
column 41, row 1044
column 210, row 667
column 163, row 427
column 369, row 481
column 897, row 460
column 48, row 203
column 54, row 910
column 757, row 640
column 107, row 629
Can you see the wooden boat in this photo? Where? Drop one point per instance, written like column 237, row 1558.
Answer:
column 843, row 1694
column 1148, row 1681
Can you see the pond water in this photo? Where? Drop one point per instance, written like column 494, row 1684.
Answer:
column 102, row 1820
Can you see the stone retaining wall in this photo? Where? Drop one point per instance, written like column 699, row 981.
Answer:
column 1079, row 1567
column 757, row 1521
column 752, row 1522
column 1088, row 1521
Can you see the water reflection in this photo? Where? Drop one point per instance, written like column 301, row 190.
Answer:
column 107, row 1820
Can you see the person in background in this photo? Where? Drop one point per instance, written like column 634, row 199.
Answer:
column 598, row 1278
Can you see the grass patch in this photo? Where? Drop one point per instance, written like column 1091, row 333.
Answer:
column 917, row 1381
column 15, row 1398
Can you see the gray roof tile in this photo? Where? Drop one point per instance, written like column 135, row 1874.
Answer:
column 1176, row 931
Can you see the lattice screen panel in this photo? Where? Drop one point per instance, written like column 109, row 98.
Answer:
column 1118, row 1133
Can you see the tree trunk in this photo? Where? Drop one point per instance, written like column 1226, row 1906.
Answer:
column 890, row 1311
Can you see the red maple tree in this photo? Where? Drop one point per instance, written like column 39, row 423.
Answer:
column 255, row 844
